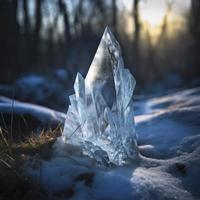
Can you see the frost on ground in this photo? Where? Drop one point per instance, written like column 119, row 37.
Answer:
column 169, row 167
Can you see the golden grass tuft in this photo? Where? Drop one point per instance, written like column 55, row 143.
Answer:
column 12, row 152
column 13, row 157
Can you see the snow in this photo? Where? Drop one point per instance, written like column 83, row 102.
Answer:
column 154, row 183
column 169, row 167
column 176, row 115
column 44, row 115
column 62, row 75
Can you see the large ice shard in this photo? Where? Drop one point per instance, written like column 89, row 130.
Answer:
column 100, row 117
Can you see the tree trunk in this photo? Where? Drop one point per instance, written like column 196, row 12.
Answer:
column 26, row 17
column 194, row 27
column 114, row 16
column 136, row 38
column 136, row 20
column 38, row 16
column 63, row 9
column 78, row 19
column 9, row 37
column 36, row 32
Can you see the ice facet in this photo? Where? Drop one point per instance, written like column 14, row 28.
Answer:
column 101, row 117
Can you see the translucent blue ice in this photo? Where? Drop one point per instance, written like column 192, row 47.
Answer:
column 100, row 117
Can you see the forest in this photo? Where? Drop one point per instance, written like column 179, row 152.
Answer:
column 42, row 35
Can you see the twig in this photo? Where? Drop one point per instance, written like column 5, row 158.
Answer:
column 3, row 137
column 4, row 123
column 5, row 163
column 76, row 129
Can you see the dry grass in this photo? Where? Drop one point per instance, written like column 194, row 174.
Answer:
column 13, row 157
column 17, row 152
column 12, row 152
column 33, row 142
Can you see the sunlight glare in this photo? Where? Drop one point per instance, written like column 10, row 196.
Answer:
column 152, row 12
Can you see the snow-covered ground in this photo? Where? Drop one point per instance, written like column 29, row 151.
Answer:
column 168, row 129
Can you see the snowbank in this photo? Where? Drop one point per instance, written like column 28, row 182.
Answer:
column 27, row 117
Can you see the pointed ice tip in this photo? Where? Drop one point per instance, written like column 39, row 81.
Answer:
column 107, row 29
column 79, row 78
column 107, row 55
column 79, row 85
column 109, row 32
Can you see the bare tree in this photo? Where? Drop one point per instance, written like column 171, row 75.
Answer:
column 35, row 35
column 9, row 37
column 26, row 17
column 164, row 26
column 64, row 11
column 38, row 19
column 78, row 18
column 114, row 16
column 136, row 40
column 194, row 27
column 136, row 20
column 195, row 17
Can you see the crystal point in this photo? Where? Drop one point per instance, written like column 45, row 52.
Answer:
column 100, row 117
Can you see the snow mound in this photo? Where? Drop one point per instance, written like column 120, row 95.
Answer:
column 33, row 117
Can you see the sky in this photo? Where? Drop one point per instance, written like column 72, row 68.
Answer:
column 153, row 11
